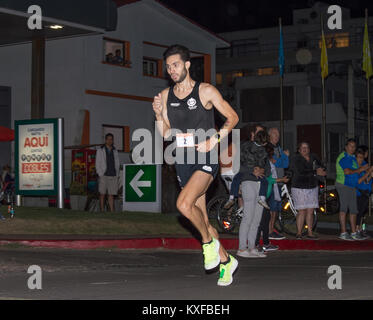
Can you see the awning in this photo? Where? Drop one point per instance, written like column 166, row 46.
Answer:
column 77, row 18
column 6, row 134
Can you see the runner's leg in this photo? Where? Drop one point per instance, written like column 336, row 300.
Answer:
column 201, row 204
column 196, row 186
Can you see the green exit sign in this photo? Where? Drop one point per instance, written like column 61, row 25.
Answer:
column 140, row 183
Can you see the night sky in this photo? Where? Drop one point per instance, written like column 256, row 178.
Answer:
column 232, row 15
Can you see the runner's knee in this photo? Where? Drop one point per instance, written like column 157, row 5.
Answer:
column 184, row 206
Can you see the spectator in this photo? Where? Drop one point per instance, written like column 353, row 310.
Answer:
column 364, row 189
column 6, row 176
column 347, row 180
column 250, row 174
column 109, row 58
column 107, row 167
column 272, row 184
column 305, row 168
column 231, row 180
column 281, row 162
column 117, row 59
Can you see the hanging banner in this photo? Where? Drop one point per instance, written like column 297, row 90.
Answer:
column 36, row 157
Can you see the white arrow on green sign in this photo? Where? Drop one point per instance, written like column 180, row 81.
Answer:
column 140, row 183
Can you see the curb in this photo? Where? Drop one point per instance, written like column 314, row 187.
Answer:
column 174, row 243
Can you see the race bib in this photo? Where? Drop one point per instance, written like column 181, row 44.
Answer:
column 184, row 140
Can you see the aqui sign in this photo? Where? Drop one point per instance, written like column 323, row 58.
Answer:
column 142, row 187
column 36, row 157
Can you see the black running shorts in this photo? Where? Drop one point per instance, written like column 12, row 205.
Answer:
column 185, row 171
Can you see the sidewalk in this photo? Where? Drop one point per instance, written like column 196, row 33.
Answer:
column 328, row 241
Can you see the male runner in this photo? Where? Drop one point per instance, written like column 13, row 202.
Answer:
column 189, row 105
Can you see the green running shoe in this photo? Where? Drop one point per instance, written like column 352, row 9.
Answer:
column 226, row 272
column 211, row 253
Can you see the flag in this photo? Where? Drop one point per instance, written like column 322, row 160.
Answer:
column 367, row 60
column 324, row 57
column 281, row 58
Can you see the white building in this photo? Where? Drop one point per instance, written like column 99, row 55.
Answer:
column 89, row 92
column 247, row 73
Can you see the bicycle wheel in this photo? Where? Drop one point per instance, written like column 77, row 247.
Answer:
column 228, row 219
column 214, row 204
column 288, row 223
column 332, row 202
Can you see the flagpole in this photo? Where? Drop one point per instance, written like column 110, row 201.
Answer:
column 368, row 97
column 323, row 129
column 281, row 101
column 369, row 122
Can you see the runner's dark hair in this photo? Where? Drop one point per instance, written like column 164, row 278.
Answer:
column 177, row 49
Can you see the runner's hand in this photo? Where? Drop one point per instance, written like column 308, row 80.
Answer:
column 206, row 146
column 157, row 105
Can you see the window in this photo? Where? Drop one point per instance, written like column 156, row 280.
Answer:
column 244, row 47
column 231, row 76
column 219, row 78
column 121, row 136
column 152, row 67
column 266, row 71
column 116, row 52
column 338, row 40
column 316, row 95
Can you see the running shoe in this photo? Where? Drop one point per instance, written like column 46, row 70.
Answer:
column 226, row 272
column 264, row 204
column 276, row 236
column 211, row 254
column 270, row 247
column 357, row 236
column 346, row 236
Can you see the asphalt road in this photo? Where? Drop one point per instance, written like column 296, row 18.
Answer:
column 166, row 274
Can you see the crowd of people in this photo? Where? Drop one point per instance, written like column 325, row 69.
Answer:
column 264, row 167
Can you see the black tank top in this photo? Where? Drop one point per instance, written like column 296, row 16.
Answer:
column 189, row 113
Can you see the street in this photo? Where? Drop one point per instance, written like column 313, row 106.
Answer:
column 169, row 275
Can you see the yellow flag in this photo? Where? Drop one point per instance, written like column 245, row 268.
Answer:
column 367, row 61
column 324, row 57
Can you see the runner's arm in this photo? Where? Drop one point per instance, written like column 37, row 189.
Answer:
column 213, row 95
column 160, row 110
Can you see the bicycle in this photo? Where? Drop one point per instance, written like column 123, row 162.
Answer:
column 228, row 218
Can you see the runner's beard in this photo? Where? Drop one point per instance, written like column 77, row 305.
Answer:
column 182, row 76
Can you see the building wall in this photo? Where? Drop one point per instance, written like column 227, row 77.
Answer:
column 74, row 65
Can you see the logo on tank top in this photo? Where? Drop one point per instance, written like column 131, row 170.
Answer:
column 175, row 104
column 192, row 104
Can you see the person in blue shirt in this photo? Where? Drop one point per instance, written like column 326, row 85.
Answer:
column 363, row 190
column 346, row 182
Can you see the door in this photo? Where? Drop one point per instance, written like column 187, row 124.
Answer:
column 310, row 133
column 5, row 121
